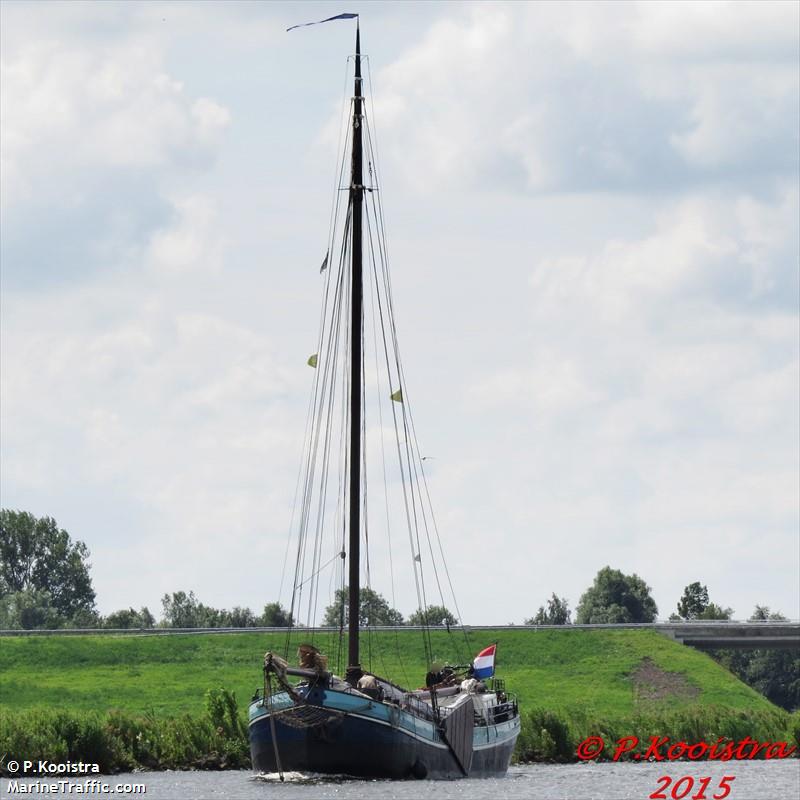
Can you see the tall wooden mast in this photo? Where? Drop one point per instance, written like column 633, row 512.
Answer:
column 356, row 326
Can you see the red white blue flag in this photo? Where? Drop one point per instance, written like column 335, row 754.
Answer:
column 483, row 664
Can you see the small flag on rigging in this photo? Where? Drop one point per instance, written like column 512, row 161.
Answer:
column 324, row 264
column 483, row 664
column 312, row 361
column 397, row 396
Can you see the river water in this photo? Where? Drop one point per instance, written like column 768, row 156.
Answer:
column 752, row 780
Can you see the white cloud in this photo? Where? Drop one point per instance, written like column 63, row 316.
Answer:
column 652, row 420
column 593, row 216
column 95, row 108
column 92, row 138
column 553, row 97
column 191, row 243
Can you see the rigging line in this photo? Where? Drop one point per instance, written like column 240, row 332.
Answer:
column 344, row 128
column 325, row 471
column 326, row 564
column 407, row 437
column 414, row 461
column 344, row 473
column 379, row 389
column 373, row 125
column 415, row 440
column 344, row 454
column 364, row 481
column 417, row 461
column 341, row 495
column 342, row 334
column 444, row 561
column 306, row 433
column 308, row 497
column 332, row 235
column 420, row 591
column 328, row 370
column 307, row 459
column 363, row 455
column 372, row 150
column 317, row 388
column 327, row 349
column 390, row 304
column 401, row 381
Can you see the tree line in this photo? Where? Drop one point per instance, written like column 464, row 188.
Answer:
column 614, row 598
column 45, row 584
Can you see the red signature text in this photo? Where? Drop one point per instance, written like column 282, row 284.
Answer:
column 683, row 786
column 661, row 748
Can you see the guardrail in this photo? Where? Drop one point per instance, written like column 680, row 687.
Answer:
column 661, row 626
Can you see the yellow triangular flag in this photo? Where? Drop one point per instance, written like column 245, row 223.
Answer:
column 312, row 361
column 398, row 396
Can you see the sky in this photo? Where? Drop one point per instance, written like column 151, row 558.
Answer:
column 592, row 215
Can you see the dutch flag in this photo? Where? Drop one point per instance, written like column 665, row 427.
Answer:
column 483, row 664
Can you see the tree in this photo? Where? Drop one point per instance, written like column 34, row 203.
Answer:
column 772, row 672
column 373, row 609
column 763, row 614
column 275, row 616
column 29, row 609
column 614, row 597
column 713, row 611
column 693, row 602
column 181, row 610
column 36, row 557
column 433, row 615
column 130, row 618
column 557, row 613
column 238, row 617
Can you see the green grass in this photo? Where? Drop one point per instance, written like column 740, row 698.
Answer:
column 143, row 701
column 571, row 671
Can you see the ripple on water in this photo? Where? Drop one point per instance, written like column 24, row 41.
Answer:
column 753, row 780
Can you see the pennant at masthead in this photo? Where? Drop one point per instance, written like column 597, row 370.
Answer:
column 320, row 21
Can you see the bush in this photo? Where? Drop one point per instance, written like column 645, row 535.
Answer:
column 118, row 741
column 554, row 735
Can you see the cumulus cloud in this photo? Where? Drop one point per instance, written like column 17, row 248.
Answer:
column 656, row 403
column 92, row 136
column 553, row 97
column 596, row 280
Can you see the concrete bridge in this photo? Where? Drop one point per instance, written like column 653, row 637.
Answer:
column 734, row 635
column 705, row 635
column 709, row 634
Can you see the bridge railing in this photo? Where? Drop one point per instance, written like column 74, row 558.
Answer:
column 159, row 631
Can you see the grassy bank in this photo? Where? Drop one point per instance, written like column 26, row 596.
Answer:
column 571, row 684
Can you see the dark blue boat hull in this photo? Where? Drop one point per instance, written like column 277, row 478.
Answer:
column 372, row 740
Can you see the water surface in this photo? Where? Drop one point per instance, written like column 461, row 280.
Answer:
column 753, row 780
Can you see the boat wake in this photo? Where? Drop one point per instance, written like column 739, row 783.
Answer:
column 306, row 778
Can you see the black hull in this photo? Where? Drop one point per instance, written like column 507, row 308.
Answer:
column 365, row 748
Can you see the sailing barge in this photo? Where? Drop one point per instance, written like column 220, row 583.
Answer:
column 308, row 719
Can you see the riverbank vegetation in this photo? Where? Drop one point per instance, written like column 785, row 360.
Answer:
column 142, row 701
column 554, row 736
column 119, row 741
column 216, row 739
